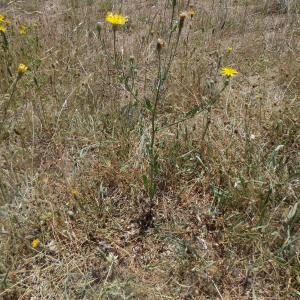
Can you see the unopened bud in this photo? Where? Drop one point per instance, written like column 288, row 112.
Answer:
column 131, row 59
column 99, row 27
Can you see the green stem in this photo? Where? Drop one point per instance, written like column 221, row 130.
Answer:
column 115, row 51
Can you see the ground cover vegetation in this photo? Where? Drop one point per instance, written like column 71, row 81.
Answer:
column 149, row 149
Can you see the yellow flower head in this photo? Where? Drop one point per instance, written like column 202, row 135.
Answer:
column 22, row 30
column 2, row 29
column 22, row 69
column 7, row 22
column 229, row 72
column 35, row 244
column 2, row 18
column 229, row 49
column 116, row 19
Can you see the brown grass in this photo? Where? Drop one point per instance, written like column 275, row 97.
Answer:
column 73, row 153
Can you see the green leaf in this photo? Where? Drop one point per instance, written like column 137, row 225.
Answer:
column 149, row 105
column 192, row 112
column 146, row 182
column 152, row 191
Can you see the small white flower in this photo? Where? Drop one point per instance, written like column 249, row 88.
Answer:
column 111, row 258
column 237, row 184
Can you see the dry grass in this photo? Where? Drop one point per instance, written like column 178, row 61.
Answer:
column 73, row 153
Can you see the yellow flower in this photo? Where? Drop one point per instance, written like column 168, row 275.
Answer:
column 229, row 49
column 229, row 72
column 2, row 29
column 116, row 19
column 22, row 30
column 2, row 18
column 22, row 69
column 35, row 244
column 7, row 22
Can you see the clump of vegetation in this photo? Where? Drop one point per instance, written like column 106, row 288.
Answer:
column 149, row 150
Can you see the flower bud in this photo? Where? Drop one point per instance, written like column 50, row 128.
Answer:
column 99, row 27
column 131, row 59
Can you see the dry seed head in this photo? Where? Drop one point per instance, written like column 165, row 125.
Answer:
column 160, row 44
column 182, row 18
column 192, row 13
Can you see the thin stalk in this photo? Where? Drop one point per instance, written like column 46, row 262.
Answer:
column 171, row 23
column 172, row 55
column 161, row 78
column 115, row 50
column 207, row 123
column 153, row 129
column 173, row 13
